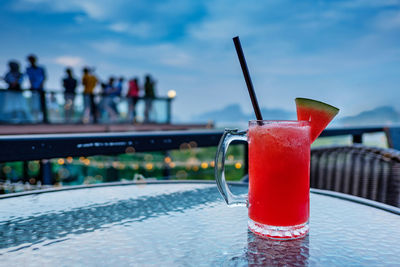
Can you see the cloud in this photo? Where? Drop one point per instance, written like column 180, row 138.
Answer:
column 141, row 18
column 369, row 3
column 141, row 30
column 69, row 61
column 388, row 20
column 164, row 54
column 95, row 9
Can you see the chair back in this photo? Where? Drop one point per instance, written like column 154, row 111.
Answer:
column 368, row 172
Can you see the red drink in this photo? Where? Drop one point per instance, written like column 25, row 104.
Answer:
column 279, row 168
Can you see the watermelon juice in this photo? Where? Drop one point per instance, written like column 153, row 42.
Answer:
column 279, row 184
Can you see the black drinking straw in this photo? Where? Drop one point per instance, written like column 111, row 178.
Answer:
column 247, row 78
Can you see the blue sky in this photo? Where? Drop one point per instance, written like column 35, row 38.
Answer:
column 346, row 53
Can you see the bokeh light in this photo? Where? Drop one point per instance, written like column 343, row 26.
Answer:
column 204, row 165
column 171, row 93
column 238, row 165
column 167, row 160
column 149, row 166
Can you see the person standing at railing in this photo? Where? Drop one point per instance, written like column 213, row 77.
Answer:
column 119, row 87
column 111, row 92
column 15, row 104
column 149, row 94
column 133, row 96
column 37, row 77
column 69, row 84
column 14, row 77
column 89, row 82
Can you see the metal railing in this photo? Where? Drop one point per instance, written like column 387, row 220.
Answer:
column 25, row 107
column 42, row 147
column 35, row 147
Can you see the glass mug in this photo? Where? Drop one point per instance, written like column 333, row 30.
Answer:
column 278, row 200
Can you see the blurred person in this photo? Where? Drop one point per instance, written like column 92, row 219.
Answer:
column 15, row 103
column 69, row 84
column 37, row 77
column 120, row 86
column 89, row 82
column 149, row 95
column 13, row 77
column 111, row 92
column 133, row 96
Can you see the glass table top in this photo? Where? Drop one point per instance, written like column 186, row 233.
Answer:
column 183, row 224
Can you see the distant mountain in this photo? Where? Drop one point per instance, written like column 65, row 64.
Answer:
column 384, row 115
column 276, row 114
column 226, row 114
column 233, row 114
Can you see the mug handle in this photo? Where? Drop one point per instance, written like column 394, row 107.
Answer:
column 219, row 168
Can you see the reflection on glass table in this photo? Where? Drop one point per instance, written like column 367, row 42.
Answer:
column 184, row 223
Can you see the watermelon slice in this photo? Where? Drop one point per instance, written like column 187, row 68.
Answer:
column 319, row 114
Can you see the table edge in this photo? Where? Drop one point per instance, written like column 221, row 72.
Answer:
column 360, row 200
column 333, row 194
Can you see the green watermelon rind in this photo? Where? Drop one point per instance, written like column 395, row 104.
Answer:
column 315, row 104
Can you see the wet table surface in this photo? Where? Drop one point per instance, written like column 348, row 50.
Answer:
column 184, row 224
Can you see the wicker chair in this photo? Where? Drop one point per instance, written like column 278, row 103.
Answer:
column 367, row 172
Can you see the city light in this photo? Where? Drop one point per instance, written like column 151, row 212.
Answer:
column 238, row 165
column 204, row 165
column 149, row 166
column 167, row 160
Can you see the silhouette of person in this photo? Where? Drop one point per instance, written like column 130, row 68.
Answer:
column 14, row 76
column 89, row 82
column 120, row 86
column 133, row 96
column 149, row 94
column 69, row 84
column 37, row 77
column 15, row 104
column 111, row 92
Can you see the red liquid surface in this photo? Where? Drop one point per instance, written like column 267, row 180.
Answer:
column 279, row 171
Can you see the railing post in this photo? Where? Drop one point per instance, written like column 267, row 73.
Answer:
column 357, row 138
column 43, row 105
column 246, row 159
column 93, row 108
column 169, row 100
column 166, row 168
column 25, row 171
column 45, row 172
